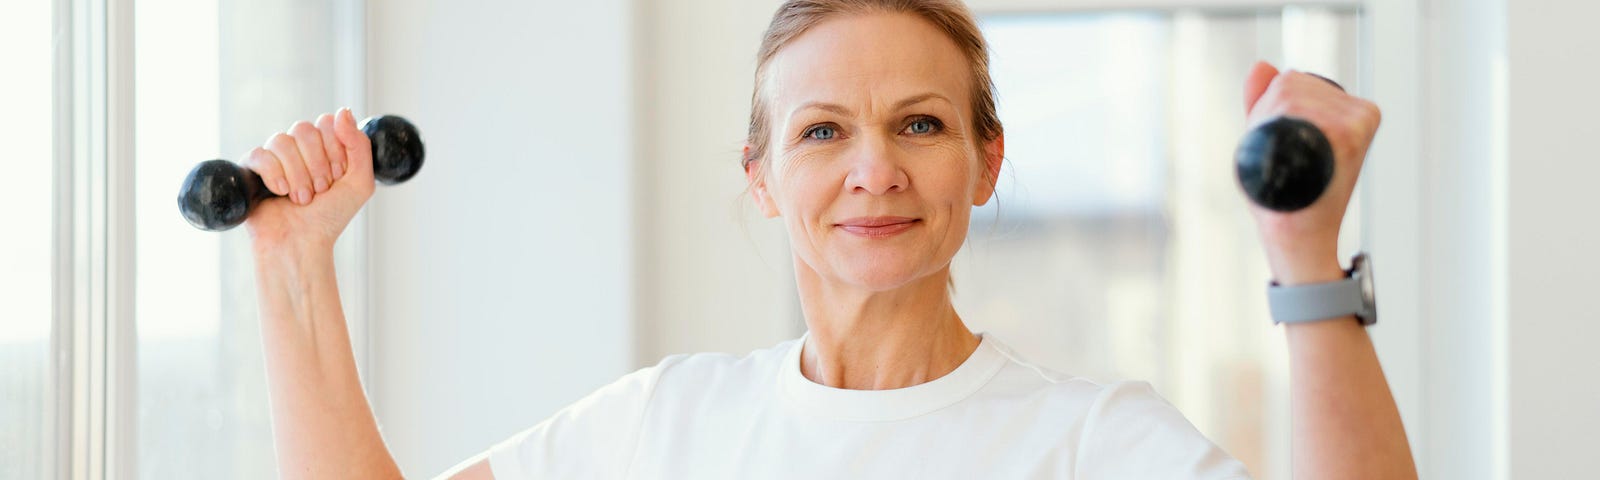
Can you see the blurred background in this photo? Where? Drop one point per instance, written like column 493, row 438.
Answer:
column 580, row 215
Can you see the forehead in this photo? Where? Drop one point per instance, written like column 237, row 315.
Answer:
column 874, row 58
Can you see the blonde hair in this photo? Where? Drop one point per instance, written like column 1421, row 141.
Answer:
column 949, row 16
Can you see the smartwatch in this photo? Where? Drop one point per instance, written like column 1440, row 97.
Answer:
column 1354, row 295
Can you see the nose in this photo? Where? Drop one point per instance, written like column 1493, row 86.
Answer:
column 875, row 170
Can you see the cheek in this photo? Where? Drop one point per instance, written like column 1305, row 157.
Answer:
column 949, row 178
column 803, row 185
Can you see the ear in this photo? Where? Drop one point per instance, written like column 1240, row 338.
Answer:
column 994, row 153
column 756, row 184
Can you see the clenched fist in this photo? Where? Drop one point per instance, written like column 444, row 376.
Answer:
column 324, row 172
column 1302, row 246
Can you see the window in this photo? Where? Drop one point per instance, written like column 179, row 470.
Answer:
column 1118, row 246
column 27, row 385
column 214, row 79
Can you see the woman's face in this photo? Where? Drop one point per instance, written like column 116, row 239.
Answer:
column 874, row 165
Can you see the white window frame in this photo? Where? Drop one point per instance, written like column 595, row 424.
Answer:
column 1393, row 235
column 93, row 231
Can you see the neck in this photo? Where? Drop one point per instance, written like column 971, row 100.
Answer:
column 879, row 340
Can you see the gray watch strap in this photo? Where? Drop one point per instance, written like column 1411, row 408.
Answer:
column 1320, row 301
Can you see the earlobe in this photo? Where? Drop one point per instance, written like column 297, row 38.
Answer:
column 756, row 184
column 764, row 201
column 994, row 154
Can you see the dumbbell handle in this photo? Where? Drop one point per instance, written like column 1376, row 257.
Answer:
column 218, row 194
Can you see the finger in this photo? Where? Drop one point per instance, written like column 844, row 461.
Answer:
column 294, row 169
column 1255, row 84
column 265, row 164
column 357, row 149
column 331, row 146
column 309, row 141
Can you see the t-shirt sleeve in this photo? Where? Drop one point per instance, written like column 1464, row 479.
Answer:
column 1131, row 432
column 591, row 438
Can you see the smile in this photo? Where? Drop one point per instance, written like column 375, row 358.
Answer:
column 877, row 227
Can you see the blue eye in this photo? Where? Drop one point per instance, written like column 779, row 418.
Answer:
column 922, row 126
column 821, row 132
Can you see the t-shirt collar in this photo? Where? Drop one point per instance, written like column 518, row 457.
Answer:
column 887, row 405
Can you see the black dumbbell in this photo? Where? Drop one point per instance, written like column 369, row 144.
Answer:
column 1286, row 163
column 218, row 194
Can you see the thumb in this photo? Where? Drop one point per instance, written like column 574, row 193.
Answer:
column 357, row 148
column 1255, row 84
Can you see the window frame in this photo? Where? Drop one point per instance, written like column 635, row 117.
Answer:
column 92, row 291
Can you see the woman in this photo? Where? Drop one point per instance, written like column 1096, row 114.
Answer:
column 873, row 134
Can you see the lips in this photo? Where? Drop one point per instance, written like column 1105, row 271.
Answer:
column 877, row 227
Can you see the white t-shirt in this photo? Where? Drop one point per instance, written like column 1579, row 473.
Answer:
column 996, row 416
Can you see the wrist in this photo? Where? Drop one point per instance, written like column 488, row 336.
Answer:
column 292, row 256
column 1289, row 269
column 293, row 247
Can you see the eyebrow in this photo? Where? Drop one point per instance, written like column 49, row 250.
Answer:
column 841, row 110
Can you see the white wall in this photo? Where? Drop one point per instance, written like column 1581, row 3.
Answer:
column 1550, row 170
column 494, row 300
column 1463, row 417
column 714, row 275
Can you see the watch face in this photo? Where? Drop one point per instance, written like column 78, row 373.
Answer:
column 1362, row 269
column 1365, row 271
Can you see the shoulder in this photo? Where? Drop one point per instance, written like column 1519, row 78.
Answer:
column 1119, row 429
column 596, row 435
column 1023, row 375
column 696, row 367
column 691, row 379
column 1019, row 376
column 719, row 363
column 1131, row 431
column 1101, row 401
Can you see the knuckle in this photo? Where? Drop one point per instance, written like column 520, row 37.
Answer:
column 1361, row 117
column 312, row 155
column 280, row 140
column 304, row 130
column 1355, row 124
column 1374, row 114
column 257, row 157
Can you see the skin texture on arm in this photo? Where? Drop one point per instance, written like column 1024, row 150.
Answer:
column 1344, row 420
column 322, row 425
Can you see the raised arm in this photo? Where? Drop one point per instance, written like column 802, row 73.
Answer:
column 1344, row 420
column 322, row 426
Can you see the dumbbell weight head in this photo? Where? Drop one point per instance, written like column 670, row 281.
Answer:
column 1284, row 164
column 218, row 195
column 396, row 148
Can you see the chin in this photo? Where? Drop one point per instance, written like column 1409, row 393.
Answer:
column 881, row 274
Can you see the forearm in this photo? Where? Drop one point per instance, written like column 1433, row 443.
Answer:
column 322, row 424
column 1345, row 423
